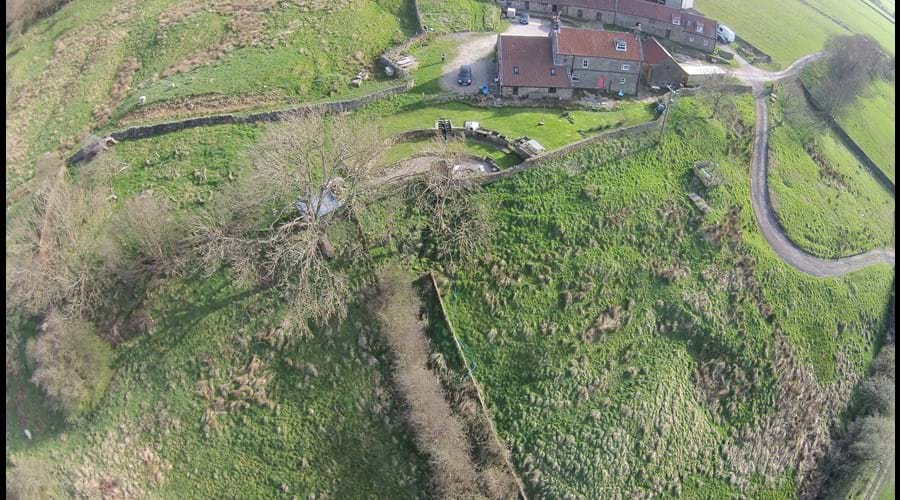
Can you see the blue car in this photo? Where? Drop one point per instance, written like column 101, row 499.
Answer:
column 465, row 75
column 523, row 19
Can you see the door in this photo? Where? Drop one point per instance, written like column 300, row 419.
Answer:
column 601, row 83
column 668, row 34
column 555, row 8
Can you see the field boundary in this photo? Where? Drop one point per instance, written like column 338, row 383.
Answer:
column 848, row 141
column 142, row 131
column 478, row 389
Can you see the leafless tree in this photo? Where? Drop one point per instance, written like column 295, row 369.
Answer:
column 458, row 220
column 852, row 62
column 274, row 228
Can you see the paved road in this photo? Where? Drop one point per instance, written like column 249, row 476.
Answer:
column 753, row 75
column 759, row 190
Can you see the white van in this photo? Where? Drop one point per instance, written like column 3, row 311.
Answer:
column 724, row 34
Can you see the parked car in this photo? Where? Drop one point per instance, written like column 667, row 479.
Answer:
column 523, row 18
column 465, row 75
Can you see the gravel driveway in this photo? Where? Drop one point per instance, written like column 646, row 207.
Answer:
column 479, row 51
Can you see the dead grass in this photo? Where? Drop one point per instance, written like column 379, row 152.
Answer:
column 184, row 107
column 120, row 88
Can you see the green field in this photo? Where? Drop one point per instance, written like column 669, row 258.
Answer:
column 788, row 30
column 870, row 121
column 618, row 242
column 831, row 207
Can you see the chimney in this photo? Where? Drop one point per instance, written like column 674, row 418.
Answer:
column 637, row 30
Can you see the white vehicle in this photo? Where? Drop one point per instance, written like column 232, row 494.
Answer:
column 724, row 34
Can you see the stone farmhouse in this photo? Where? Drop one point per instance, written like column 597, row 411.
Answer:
column 569, row 59
column 673, row 20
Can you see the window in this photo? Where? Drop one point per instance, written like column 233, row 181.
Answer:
column 622, row 81
column 574, row 77
column 600, row 16
column 515, row 90
column 584, row 63
column 551, row 90
column 705, row 42
column 552, row 71
column 690, row 39
column 676, row 20
column 515, row 70
column 580, row 13
column 621, row 46
column 699, row 27
column 626, row 67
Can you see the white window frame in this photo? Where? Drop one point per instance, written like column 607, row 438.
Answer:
column 699, row 27
column 622, row 81
column 690, row 38
column 706, row 42
column 622, row 44
column 584, row 64
column 552, row 71
column 515, row 70
column 574, row 77
column 626, row 67
column 676, row 20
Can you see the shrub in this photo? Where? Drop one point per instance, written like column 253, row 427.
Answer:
column 72, row 365
column 329, row 84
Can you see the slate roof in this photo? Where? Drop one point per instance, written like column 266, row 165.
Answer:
column 596, row 43
column 533, row 56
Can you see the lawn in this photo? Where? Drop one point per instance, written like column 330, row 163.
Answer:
column 600, row 310
column 788, row 29
column 447, row 16
column 512, row 122
column 829, row 204
column 63, row 69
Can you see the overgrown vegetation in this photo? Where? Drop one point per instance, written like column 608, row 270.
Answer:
column 446, row 16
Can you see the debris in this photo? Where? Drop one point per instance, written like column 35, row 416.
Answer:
column 28, row 434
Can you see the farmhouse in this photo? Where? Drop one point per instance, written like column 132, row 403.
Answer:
column 569, row 59
column 659, row 68
column 673, row 20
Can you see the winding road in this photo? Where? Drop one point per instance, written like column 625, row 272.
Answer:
column 759, row 190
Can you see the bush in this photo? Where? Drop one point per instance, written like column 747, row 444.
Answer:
column 329, row 84
column 72, row 365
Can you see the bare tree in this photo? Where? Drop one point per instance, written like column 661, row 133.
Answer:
column 458, row 220
column 273, row 228
column 852, row 61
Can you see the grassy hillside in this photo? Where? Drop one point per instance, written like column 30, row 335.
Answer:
column 89, row 62
column 446, row 16
column 828, row 203
column 599, row 316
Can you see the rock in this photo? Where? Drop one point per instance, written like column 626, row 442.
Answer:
column 28, row 434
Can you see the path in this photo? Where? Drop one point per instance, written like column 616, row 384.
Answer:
column 759, row 190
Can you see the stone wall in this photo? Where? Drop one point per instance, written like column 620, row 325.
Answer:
column 139, row 132
column 575, row 146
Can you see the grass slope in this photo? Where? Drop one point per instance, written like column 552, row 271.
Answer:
column 623, row 414
column 871, row 123
column 446, row 16
column 65, row 66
